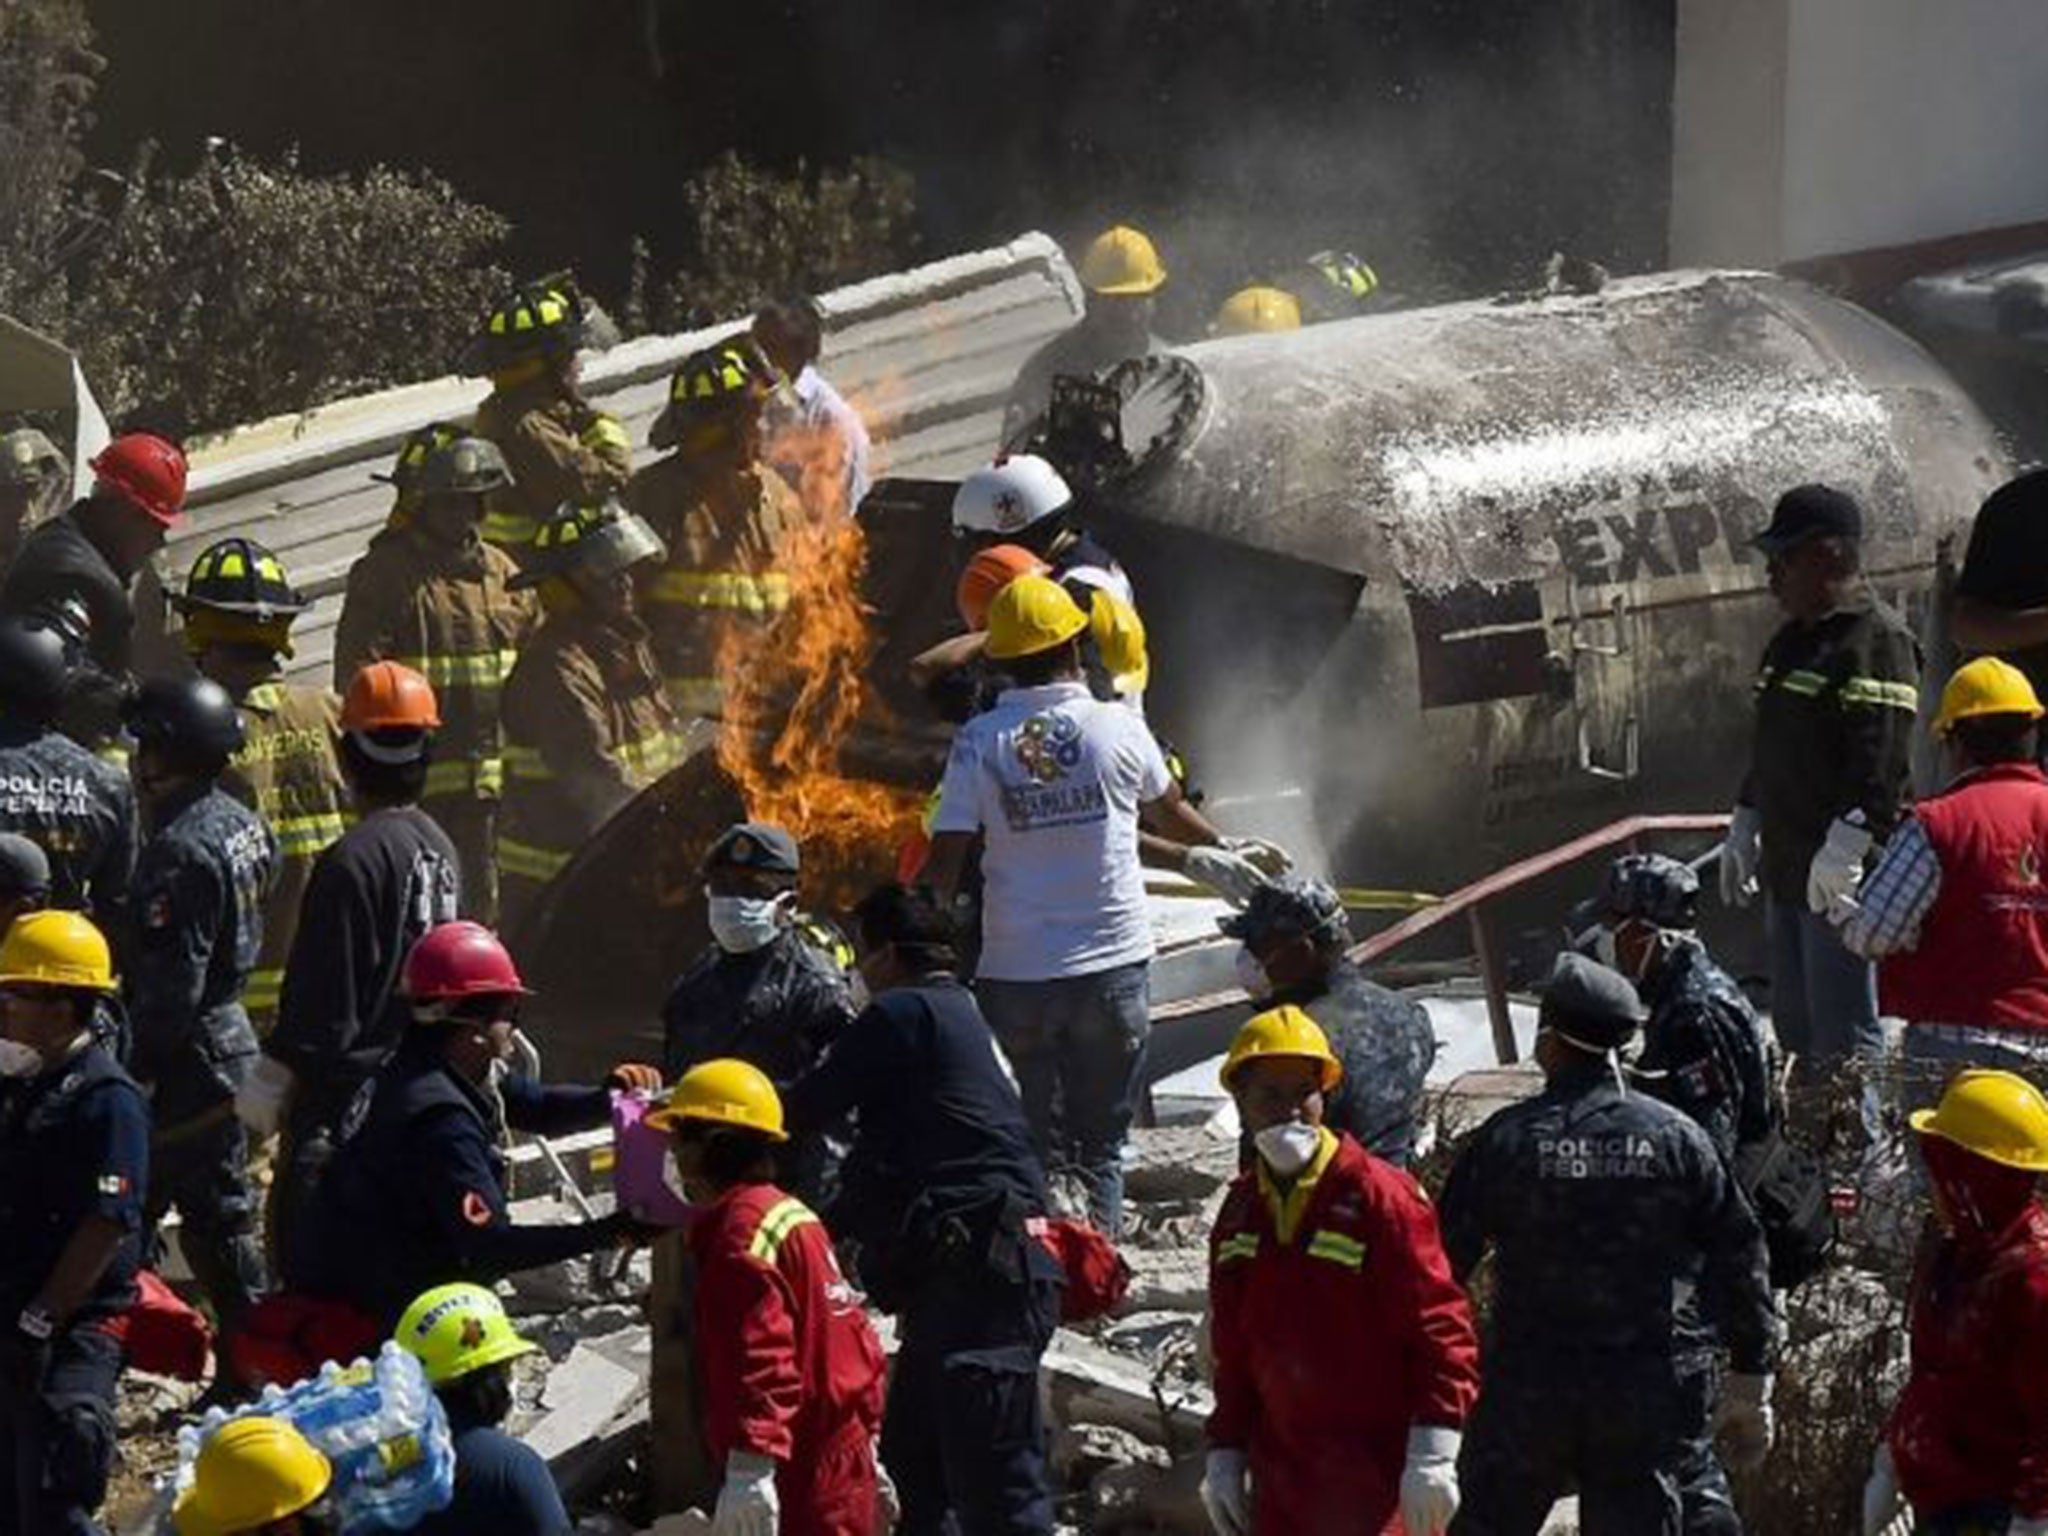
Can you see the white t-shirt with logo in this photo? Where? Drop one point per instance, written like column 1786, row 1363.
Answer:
column 1054, row 777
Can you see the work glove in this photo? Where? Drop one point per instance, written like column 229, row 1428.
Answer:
column 603, row 431
column 634, row 1077
column 1429, row 1481
column 260, row 1102
column 1743, row 1420
column 1742, row 852
column 1882, row 1499
column 1837, row 869
column 1269, row 859
column 747, row 1504
column 888, row 1503
column 1230, row 875
column 1227, row 1492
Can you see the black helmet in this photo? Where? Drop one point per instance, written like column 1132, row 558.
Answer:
column 442, row 459
column 598, row 539
column 543, row 319
column 33, row 670
column 240, row 576
column 192, row 717
column 720, row 381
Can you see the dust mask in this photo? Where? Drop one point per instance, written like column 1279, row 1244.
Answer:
column 1289, row 1147
column 18, row 1060
column 742, row 924
column 1251, row 975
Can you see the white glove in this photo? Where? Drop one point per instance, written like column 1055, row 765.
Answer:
column 1230, row 875
column 260, row 1102
column 1227, row 1492
column 1429, row 1481
column 1743, row 1420
column 1882, row 1500
column 888, row 1503
column 1838, row 868
column 1742, row 852
column 1269, row 859
column 747, row 1504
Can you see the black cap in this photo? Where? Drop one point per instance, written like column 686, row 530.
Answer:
column 1594, row 1007
column 755, row 845
column 1810, row 512
column 24, row 867
column 1292, row 906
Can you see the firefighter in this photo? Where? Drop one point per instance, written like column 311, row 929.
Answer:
column 587, row 723
column 1967, row 1443
column 1336, row 285
column 1257, row 310
column 416, row 1193
column 466, row 1344
column 257, row 1476
column 74, row 1144
column 1123, row 275
column 391, row 877
column 78, row 808
column 237, row 608
column 815, row 440
column 76, row 574
column 790, row 1367
column 34, row 478
column 557, row 446
column 723, row 517
column 1324, row 1253
column 199, row 890
column 1294, row 935
column 430, row 593
column 1616, row 1233
column 24, row 878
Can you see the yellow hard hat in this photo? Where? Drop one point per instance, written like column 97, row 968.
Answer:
column 459, row 1328
column 1119, row 636
column 249, row 1473
column 1255, row 309
column 1997, row 1115
column 724, row 1092
column 57, row 949
column 1122, row 261
column 1986, row 686
column 1287, row 1032
column 1032, row 614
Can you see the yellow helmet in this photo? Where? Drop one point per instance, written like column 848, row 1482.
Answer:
column 724, row 1092
column 1255, row 309
column 1031, row 615
column 57, row 949
column 1986, row 686
column 459, row 1328
column 1122, row 261
column 1286, row 1032
column 249, row 1473
column 1119, row 636
column 1997, row 1115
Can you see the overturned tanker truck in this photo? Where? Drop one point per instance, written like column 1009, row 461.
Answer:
column 1425, row 591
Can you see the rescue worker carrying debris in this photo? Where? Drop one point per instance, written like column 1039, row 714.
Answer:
column 1619, row 1242
column 815, row 440
column 416, row 1194
column 556, row 445
column 1835, row 700
column 431, row 594
column 1326, row 1273
column 198, row 920
column 723, row 517
column 78, row 808
column 1123, row 275
column 1967, row 1444
column 1294, row 933
column 238, row 606
column 257, row 1477
column 74, row 1147
column 587, row 724
column 34, row 478
column 789, row 1367
column 76, row 574
column 391, row 877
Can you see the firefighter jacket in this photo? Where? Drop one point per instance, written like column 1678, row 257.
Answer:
column 1835, row 703
column 790, row 1367
column 1704, row 1049
column 1336, row 1328
column 1971, row 1427
column 720, row 580
column 289, row 773
column 559, row 447
column 79, row 809
column 62, row 582
column 1386, row 1045
column 587, row 727
column 198, row 916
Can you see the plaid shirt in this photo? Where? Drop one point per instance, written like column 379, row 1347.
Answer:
column 1896, row 897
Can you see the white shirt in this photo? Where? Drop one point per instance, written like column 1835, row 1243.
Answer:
column 1054, row 777
column 821, row 423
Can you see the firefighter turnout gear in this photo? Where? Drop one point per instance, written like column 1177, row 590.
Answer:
column 1122, row 260
column 725, row 1092
column 459, row 1328
column 250, row 1474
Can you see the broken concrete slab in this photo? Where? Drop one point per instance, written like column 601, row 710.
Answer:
column 1089, row 1384
column 1151, row 1498
column 585, row 1393
column 1179, row 1162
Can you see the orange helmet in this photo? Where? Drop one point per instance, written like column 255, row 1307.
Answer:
column 385, row 696
column 987, row 574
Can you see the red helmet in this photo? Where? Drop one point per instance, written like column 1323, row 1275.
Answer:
column 459, row 960
column 145, row 470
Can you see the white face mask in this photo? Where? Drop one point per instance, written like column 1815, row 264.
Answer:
column 1251, row 975
column 1288, row 1147
column 742, row 924
column 18, row 1060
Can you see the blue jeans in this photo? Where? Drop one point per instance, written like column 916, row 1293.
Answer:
column 1823, row 998
column 1077, row 1045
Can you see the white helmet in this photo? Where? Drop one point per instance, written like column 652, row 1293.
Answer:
column 1008, row 496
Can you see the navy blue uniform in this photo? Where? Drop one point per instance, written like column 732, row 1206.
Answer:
column 1704, row 1049
column 415, row 1195
column 79, row 809
column 74, row 1145
column 1387, row 1047
column 502, row 1488
column 1605, row 1212
column 938, row 1185
column 62, row 582
column 199, row 891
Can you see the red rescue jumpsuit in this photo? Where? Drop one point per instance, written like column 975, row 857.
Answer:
column 1971, row 1428
column 1337, row 1327
column 791, row 1367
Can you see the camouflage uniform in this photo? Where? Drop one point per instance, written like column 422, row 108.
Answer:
column 1387, row 1047
column 1704, row 1048
column 79, row 809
